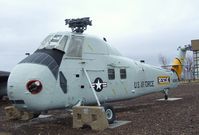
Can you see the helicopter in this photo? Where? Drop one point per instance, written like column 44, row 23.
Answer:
column 72, row 69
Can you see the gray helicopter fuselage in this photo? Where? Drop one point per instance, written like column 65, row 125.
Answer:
column 60, row 63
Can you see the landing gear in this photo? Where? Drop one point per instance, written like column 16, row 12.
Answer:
column 110, row 113
column 166, row 97
column 166, row 94
column 36, row 115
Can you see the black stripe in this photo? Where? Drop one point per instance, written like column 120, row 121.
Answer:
column 17, row 101
column 49, row 57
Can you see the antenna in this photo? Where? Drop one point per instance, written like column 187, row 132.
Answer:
column 78, row 25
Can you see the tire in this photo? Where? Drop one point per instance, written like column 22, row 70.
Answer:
column 166, row 94
column 166, row 97
column 36, row 115
column 110, row 113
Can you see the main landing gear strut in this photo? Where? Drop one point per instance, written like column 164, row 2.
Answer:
column 109, row 111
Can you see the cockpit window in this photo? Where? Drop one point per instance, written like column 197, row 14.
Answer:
column 62, row 43
column 56, row 38
column 46, row 40
column 75, row 47
column 57, row 41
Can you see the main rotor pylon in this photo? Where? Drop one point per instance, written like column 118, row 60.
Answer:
column 78, row 25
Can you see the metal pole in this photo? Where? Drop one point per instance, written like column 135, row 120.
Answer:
column 92, row 87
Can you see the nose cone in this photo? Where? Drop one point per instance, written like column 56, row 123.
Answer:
column 26, row 77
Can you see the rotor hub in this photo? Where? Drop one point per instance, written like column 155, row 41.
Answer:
column 78, row 25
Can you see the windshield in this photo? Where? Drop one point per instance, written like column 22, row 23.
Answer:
column 56, row 41
column 75, row 47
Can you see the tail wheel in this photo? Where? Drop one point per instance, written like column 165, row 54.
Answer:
column 110, row 113
column 166, row 97
column 36, row 115
column 166, row 94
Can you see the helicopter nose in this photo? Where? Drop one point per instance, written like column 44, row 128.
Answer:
column 29, row 84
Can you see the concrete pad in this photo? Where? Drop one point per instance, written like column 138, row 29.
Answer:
column 118, row 123
column 169, row 99
column 44, row 116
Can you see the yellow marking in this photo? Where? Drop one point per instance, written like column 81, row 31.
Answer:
column 164, row 76
column 125, row 89
column 114, row 93
column 177, row 67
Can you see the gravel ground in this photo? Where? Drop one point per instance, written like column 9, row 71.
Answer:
column 148, row 116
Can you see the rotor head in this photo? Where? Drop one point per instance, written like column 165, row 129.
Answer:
column 78, row 25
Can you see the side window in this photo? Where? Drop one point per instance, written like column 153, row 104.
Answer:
column 63, row 82
column 45, row 42
column 62, row 43
column 122, row 73
column 47, row 39
column 75, row 47
column 111, row 74
column 56, row 38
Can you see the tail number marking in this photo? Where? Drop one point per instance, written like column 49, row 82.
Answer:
column 163, row 80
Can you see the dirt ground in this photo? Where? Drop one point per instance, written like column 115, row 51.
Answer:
column 147, row 115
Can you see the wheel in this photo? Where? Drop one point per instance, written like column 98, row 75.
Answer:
column 166, row 94
column 166, row 97
column 110, row 113
column 35, row 115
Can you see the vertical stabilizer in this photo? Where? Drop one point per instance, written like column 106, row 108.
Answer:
column 178, row 62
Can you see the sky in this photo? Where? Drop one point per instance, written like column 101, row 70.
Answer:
column 140, row 29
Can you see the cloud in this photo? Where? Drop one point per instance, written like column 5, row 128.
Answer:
column 138, row 28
